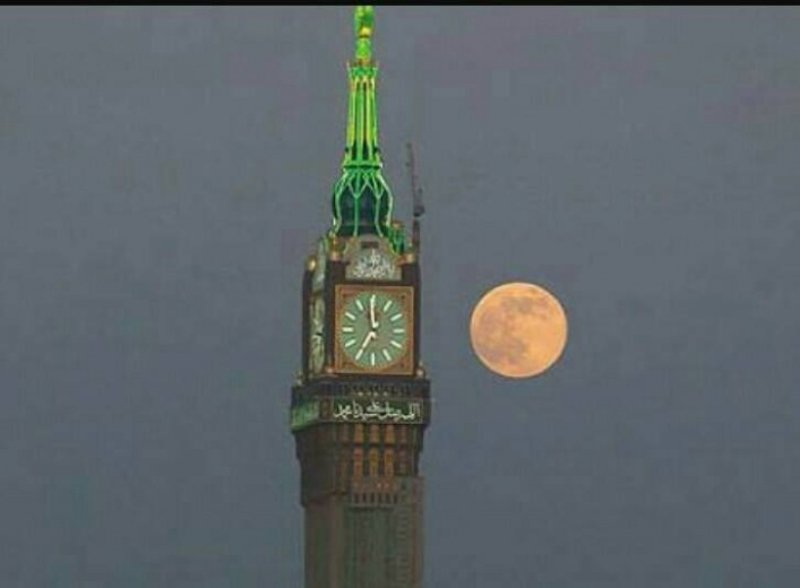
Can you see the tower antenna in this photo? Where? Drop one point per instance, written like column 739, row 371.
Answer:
column 416, row 196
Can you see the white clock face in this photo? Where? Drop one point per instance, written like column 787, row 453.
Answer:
column 373, row 265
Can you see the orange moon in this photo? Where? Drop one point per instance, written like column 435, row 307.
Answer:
column 518, row 330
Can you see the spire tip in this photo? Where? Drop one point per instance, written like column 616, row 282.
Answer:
column 364, row 21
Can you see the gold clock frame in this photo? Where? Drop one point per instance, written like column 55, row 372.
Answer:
column 405, row 295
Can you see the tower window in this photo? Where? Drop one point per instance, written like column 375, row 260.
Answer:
column 389, row 436
column 358, row 463
column 373, row 462
column 344, row 466
column 388, row 463
column 402, row 463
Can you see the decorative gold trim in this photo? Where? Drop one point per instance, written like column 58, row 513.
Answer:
column 341, row 363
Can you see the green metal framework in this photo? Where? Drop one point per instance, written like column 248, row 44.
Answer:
column 362, row 200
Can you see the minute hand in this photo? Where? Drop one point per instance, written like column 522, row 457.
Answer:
column 373, row 323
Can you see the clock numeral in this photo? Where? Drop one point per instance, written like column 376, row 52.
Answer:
column 395, row 344
column 347, row 329
column 396, row 317
column 387, row 305
column 350, row 343
column 398, row 330
column 360, row 305
column 386, row 354
column 372, row 358
column 350, row 315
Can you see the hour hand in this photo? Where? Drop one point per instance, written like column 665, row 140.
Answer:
column 370, row 336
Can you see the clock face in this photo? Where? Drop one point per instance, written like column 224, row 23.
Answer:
column 316, row 351
column 373, row 329
column 373, row 264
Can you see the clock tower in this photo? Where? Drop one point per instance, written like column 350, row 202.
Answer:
column 361, row 402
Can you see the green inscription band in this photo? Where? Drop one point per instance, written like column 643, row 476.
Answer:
column 389, row 411
column 304, row 415
column 352, row 410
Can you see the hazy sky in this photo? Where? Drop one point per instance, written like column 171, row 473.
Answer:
column 164, row 172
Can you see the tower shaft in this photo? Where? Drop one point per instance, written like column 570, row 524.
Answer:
column 359, row 417
column 363, row 500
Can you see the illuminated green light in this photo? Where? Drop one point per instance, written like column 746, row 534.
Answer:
column 362, row 201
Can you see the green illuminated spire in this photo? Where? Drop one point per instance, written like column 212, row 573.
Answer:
column 362, row 200
column 363, row 21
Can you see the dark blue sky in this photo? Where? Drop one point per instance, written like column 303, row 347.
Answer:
column 164, row 172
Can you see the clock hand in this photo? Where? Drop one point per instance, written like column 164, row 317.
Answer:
column 373, row 323
column 371, row 335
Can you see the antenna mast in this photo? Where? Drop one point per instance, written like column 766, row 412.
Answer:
column 416, row 196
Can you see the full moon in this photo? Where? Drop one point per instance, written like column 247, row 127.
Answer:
column 518, row 330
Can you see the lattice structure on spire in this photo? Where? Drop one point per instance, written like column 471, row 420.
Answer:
column 362, row 201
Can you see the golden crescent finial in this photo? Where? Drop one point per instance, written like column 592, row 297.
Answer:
column 363, row 21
